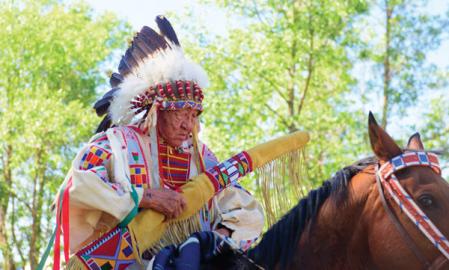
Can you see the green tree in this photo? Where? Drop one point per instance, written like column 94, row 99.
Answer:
column 398, row 46
column 436, row 130
column 51, row 63
column 399, row 36
column 289, row 65
column 284, row 68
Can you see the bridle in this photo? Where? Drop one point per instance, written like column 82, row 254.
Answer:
column 387, row 180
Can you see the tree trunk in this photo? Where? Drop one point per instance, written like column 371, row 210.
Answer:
column 36, row 213
column 8, row 263
column 310, row 65
column 387, row 68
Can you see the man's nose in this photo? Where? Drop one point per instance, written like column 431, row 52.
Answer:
column 188, row 125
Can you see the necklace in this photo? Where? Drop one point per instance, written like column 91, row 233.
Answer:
column 174, row 166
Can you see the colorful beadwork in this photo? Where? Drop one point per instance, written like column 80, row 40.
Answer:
column 226, row 173
column 209, row 158
column 139, row 173
column 169, row 89
column 405, row 201
column 188, row 90
column 174, row 167
column 185, row 94
column 246, row 244
column 95, row 156
column 113, row 250
column 101, row 172
column 412, row 159
column 179, row 105
column 94, row 159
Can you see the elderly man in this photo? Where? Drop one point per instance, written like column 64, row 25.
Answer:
column 147, row 147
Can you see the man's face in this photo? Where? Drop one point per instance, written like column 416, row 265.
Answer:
column 176, row 126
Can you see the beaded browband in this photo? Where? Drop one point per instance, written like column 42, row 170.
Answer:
column 390, row 183
column 170, row 96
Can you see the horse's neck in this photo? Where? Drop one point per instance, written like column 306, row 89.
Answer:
column 338, row 239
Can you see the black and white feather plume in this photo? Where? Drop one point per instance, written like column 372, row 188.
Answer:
column 151, row 59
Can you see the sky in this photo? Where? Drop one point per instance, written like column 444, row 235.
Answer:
column 137, row 12
column 143, row 12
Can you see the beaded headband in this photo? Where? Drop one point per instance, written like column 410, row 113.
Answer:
column 170, row 96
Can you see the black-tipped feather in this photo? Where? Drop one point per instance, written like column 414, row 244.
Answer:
column 137, row 52
column 145, row 43
column 115, row 79
column 153, row 39
column 166, row 29
column 131, row 58
column 143, row 46
column 105, row 124
column 102, row 105
column 123, row 68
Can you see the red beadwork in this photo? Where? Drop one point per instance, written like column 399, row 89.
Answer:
column 196, row 91
column 149, row 94
column 170, row 91
column 188, row 91
column 180, row 89
column 433, row 159
column 156, row 93
column 161, row 90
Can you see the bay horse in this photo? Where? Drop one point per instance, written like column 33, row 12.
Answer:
column 344, row 224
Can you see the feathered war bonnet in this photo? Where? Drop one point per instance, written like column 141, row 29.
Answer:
column 153, row 75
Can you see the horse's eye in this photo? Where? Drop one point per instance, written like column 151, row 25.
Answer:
column 426, row 200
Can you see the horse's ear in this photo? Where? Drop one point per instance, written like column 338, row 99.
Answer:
column 382, row 144
column 415, row 143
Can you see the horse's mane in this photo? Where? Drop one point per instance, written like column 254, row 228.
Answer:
column 279, row 243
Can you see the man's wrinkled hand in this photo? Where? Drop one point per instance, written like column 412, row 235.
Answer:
column 165, row 201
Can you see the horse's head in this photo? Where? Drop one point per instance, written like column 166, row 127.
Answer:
column 427, row 189
column 343, row 224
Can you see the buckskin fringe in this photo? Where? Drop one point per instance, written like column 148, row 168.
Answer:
column 281, row 183
column 177, row 232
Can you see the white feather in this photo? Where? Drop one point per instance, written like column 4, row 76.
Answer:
column 168, row 65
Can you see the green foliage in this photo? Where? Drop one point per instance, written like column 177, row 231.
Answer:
column 410, row 88
column 289, row 65
column 398, row 43
column 286, row 69
column 435, row 131
column 51, row 65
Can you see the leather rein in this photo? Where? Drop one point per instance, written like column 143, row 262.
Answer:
column 387, row 181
